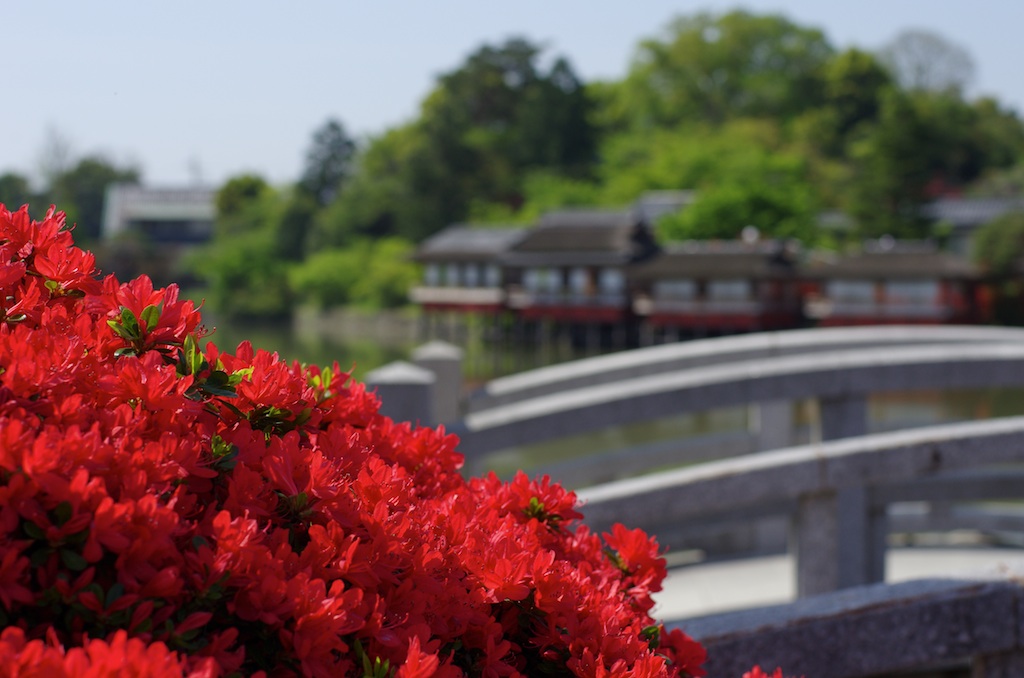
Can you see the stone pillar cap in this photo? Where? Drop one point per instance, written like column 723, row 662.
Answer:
column 400, row 372
column 435, row 350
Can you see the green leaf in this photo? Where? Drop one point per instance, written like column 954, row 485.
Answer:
column 217, row 385
column 238, row 375
column 73, row 561
column 115, row 592
column 33, row 530
column 120, row 330
column 39, row 558
column 237, row 412
column 98, row 591
column 151, row 317
column 130, row 322
column 193, row 358
column 63, row 512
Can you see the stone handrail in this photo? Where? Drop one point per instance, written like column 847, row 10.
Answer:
column 971, row 626
column 834, row 489
column 700, row 353
column 840, row 380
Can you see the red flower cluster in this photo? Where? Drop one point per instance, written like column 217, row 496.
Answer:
column 170, row 510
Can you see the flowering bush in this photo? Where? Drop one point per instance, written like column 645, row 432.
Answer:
column 169, row 510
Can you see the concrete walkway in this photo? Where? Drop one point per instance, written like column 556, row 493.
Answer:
column 696, row 590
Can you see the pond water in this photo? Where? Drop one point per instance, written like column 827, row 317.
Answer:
column 361, row 355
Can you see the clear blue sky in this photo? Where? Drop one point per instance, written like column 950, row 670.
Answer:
column 227, row 86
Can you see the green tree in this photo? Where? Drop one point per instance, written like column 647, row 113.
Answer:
column 370, row 274
column 81, row 191
column 925, row 145
column 15, row 191
column 688, row 156
column 712, row 68
column 292, row 230
column 388, row 276
column 242, row 267
column 502, row 105
column 855, row 83
column 245, row 278
column 380, row 199
column 769, row 192
column 483, row 129
column 238, row 194
column 328, row 162
column 998, row 246
column 1000, row 183
column 925, row 61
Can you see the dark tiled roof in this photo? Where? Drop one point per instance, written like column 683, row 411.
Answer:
column 463, row 242
column 583, row 237
column 893, row 264
column 971, row 212
column 562, row 230
column 718, row 259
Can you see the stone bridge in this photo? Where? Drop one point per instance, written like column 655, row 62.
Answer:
column 835, row 493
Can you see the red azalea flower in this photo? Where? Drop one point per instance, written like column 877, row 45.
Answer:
column 205, row 513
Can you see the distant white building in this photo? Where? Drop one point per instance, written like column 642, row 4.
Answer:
column 164, row 216
column 153, row 231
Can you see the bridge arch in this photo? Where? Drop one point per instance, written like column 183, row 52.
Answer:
column 840, row 380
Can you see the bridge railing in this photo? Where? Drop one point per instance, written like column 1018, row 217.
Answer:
column 830, row 489
column 837, row 493
column 840, row 381
column 664, row 358
column 967, row 627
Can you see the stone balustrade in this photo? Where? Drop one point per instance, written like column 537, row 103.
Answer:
column 840, row 380
column 966, row 628
column 837, row 492
column 701, row 353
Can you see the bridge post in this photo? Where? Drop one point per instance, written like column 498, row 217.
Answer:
column 445, row 362
column 406, row 392
column 839, row 541
column 843, row 416
column 815, row 539
column 772, row 424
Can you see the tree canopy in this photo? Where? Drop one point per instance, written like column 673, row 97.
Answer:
column 925, row 61
column 328, row 162
column 485, row 127
column 760, row 115
column 712, row 68
column 83, row 186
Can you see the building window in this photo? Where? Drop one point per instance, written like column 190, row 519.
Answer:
column 675, row 289
column 912, row 291
column 612, row 281
column 471, row 274
column 492, row 276
column 722, row 290
column 432, row 275
column 542, row 280
column 851, row 290
column 451, row 275
column 531, row 279
column 579, row 281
